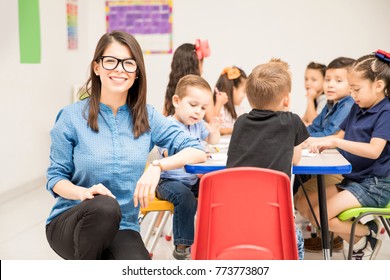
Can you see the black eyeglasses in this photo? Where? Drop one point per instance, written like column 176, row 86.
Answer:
column 110, row 63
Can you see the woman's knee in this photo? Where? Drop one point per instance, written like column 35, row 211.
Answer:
column 106, row 209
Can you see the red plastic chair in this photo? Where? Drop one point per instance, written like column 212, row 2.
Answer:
column 245, row 213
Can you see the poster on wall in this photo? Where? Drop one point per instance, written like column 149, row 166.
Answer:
column 149, row 21
column 71, row 20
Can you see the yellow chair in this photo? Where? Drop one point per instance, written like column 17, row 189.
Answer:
column 156, row 206
column 358, row 213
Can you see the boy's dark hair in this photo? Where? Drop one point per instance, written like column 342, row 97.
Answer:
column 341, row 63
column 317, row 66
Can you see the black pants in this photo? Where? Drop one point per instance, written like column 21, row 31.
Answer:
column 90, row 231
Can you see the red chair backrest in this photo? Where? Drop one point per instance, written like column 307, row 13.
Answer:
column 245, row 213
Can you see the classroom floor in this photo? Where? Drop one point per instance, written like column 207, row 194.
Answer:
column 22, row 235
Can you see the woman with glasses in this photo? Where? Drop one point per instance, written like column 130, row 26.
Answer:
column 99, row 149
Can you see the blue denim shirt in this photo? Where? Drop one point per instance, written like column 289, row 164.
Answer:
column 112, row 156
column 328, row 122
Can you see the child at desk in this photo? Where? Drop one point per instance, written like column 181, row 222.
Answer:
column 268, row 136
column 364, row 140
column 192, row 96
column 232, row 82
column 316, row 99
column 339, row 103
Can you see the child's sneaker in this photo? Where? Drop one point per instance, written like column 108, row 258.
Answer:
column 366, row 248
column 182, row 254
column 371, row 244
column 369, row 251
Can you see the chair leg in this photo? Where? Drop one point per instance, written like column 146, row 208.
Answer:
column 149, row 232
column 352, row 238
column 168, row 237
column 331, row 243
column 159, row 231
column 386, row 224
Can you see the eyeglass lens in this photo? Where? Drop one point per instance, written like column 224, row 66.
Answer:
column 110, row 63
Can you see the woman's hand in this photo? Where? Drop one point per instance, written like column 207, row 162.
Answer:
column 146, row 186
column 89, row 193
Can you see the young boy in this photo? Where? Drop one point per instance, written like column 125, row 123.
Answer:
column 192, row 96
column 339, row 100
column 268, row 136
column 327, row 123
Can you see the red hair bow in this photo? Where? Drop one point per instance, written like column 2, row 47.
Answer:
column 382, row 55
column 202, row 48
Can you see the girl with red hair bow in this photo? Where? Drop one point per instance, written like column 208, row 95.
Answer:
column 187, row 59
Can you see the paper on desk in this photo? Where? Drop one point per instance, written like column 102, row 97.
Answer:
column 219, row 156
column 307, row 153
column 224, row 140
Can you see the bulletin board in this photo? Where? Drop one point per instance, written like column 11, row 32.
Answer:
column 149, row 21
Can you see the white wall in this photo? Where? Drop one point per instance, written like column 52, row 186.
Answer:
column 244, row 33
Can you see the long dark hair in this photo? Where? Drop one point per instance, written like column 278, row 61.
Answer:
column 184, row 62
column 136, row 98
column 227, row 85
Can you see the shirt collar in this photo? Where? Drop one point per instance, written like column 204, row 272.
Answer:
column 106, row 108
column 374, row 109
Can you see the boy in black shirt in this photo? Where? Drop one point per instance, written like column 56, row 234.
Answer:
column 268, row 136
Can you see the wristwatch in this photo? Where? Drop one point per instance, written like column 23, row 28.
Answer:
column 157, row 162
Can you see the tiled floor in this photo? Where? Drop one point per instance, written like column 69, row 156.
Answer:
column 22, row 236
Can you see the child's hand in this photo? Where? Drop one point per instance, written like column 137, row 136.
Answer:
column 318, row 147
column 221, row 97
column 214, row 125
column 309, row 141
column 311, row 94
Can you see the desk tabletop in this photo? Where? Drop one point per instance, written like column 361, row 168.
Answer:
column 328, row 162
